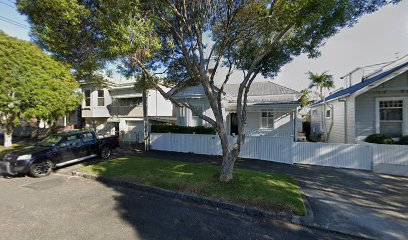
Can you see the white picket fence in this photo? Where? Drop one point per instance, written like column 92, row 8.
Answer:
column 284, row 150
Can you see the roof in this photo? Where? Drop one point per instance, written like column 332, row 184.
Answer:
column 266, row 88
column 354, row 88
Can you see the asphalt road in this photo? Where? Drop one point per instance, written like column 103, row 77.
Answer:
column 64, row 207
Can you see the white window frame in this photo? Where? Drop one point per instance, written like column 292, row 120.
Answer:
column 268, row 119
column 328, row 111
column 103, row 97
column 90, row 97
column 182, row 114
column 404, row 112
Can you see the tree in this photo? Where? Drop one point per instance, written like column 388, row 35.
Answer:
column 256, row 37
column 33, row 86
column 304, row 99
column 320, row 82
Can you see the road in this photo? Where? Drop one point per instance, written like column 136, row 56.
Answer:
column 65, row 207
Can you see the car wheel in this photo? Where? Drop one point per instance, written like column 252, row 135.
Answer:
column 105, row 152
column 41, row 168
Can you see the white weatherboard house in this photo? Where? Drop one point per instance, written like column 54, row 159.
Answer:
column 271, row 111
column 117, row 108
column 376, row 104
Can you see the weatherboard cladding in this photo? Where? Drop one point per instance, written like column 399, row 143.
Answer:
column 360, row 85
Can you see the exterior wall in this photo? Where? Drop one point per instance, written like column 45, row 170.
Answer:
column 336, row 122
column 283, row 123
column 366, row 104
column 185, row 116
column 316, row 126
column 158, row 105
column 94, row 110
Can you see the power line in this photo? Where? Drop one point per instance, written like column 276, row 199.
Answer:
column 4, row 19
column 7, row 4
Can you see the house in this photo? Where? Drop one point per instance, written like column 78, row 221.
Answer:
column 116, row 108
column 377, row 103
column 272, row 109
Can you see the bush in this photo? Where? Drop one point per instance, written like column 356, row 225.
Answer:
column 166, row 128
column 403, row 140
column 379, row 139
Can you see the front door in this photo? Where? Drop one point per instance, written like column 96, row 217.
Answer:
column 233, row 123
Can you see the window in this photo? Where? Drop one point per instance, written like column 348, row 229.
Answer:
column 196, row 118
column 71, row 141
column 390, row 117
column 129, row 102
column 182, row 116
column 267, row 119
column 314, row 112
column 87, row 137
column 87, row 98
column 101, row 98
column 328, row 113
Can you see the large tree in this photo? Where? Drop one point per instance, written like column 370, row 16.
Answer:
column 255, row 37
column 33, row 86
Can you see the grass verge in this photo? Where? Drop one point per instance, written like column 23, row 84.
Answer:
column 260, row 189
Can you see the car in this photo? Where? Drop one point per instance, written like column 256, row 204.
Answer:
column 57, row 150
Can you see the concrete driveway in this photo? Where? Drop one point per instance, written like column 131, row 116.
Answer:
column 351, row 201
column 64, row 207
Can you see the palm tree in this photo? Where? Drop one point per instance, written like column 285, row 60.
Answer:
column 320, row 82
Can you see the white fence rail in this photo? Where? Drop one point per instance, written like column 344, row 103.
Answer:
column 334, row 155
column 284, row 150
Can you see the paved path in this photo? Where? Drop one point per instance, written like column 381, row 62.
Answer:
column 352, row 201
column 64, row 207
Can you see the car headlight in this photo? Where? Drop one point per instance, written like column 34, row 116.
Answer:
column 24, row 157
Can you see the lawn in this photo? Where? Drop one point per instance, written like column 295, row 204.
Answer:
column 260, row 189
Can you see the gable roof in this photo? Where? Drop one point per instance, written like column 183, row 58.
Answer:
column 266, row 88
column 354, row 88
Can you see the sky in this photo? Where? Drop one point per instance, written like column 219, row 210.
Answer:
column 378, row 37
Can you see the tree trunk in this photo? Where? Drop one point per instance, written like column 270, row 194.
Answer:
column 228, row 159
column 146, row 127
column 8, row 136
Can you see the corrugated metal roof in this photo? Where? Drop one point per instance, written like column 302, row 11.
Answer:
column 360, row 85
column 266, row 88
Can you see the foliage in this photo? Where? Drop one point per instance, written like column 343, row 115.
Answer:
column 304, row 99
column 166, row 128
column 255, row 37
column 379, row 139
column 260, row 189
column 403, row 140
column 320, row 82
column 33, row 85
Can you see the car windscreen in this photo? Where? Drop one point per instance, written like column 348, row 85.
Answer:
column 50, row 141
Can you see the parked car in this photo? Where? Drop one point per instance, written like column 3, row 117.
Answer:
column 57, row 150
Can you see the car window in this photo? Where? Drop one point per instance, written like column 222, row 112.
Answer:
column 87, row 137
column 50, row 141
column 71, row 141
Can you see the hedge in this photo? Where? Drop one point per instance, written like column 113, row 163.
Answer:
column 379, row 139
column 182, row 129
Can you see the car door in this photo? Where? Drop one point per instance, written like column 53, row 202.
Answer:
column 88, row 144
column 69, row 148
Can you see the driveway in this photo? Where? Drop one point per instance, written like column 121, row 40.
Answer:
column 65, row 207
column 351, row 201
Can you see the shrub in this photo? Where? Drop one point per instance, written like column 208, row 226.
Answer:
column 403, row 140
column 166, row 128
column 379, row 139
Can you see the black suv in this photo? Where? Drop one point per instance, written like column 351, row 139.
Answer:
column 55, row 151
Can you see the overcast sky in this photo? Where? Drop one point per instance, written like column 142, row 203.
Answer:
column 378, row 37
